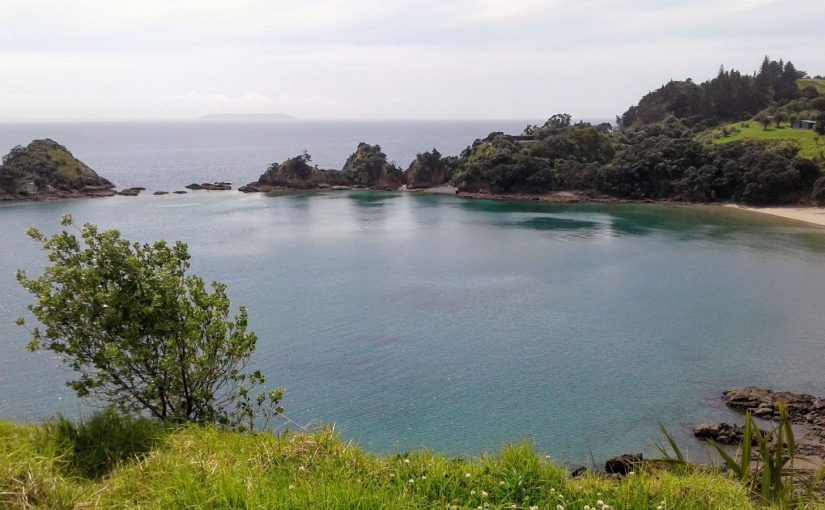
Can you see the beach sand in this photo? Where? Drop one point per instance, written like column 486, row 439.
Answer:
column 811, row 215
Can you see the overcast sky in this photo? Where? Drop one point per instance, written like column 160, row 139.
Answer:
column 380, row 59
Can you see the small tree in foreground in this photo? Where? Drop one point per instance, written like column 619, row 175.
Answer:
column 141, row 334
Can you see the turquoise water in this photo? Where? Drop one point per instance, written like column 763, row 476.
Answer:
column 462, row 324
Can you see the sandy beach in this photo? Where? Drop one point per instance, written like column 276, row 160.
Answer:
column 811, row 215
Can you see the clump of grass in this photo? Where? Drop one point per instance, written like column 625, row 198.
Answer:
column 92, row 448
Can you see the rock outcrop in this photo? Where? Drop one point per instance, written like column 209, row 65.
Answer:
column 294, row 173
column 623, row 464
column 762, row 403
column 429, row 169
column 131, row 192
column 803, row 409
column 46, row 170
column 722, row 433
column 210, row 186
column 367, row 167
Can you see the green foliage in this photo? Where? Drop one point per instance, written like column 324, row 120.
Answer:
column 204, row 467
column 429, row 169
column 731, row 95
column 809, row 144
column 368, row 166
column 141, row 334
column 559, row 156
column 820, row 124
column 817, row 84
column 672, row 454
column 93, row 447
column 294, row 172
column 772, row 476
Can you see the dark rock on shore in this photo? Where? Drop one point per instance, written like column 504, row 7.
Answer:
column 213, row 186
column 623, row 464
column 763, row 404
column 160, row 193
column 179, row 192
column 46, row 170
column 803, row 409
column 722, row 433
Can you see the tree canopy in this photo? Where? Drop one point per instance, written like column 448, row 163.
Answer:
column 140, row 333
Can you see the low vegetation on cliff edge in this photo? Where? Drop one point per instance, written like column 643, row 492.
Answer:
column 143, row 464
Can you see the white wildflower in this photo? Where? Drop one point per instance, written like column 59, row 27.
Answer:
column 291, row 487
column 502, row 483
column 484, row 494
column 472, row 493
column 301, row 468
column 406, row 461
column 467, row 475
column 410, row 481
column 559, row 507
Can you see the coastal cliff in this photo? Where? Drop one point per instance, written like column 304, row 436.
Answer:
column 46, row 170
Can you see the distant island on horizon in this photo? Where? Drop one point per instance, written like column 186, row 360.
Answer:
column 246, row 116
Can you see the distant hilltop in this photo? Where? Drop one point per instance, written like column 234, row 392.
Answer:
column 247, row 116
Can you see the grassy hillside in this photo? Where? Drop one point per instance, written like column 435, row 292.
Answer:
column 58, row 466
column 819, row 85
column 810, row 144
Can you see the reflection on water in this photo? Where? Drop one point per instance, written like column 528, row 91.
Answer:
column 460, row 325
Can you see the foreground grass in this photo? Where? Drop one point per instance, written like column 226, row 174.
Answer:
column 202, row 467
column 810, row 144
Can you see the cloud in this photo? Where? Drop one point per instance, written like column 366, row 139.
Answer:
column 379, row 59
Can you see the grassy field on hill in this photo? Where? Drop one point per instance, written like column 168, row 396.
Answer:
column 819, row 85
column 810, row 144
column 143, row 465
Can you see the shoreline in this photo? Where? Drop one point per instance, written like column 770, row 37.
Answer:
column 806, row 214
column 810, row 215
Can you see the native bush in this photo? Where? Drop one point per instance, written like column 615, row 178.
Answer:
column 141, row 334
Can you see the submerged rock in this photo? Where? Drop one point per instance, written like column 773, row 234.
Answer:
column 46, row 170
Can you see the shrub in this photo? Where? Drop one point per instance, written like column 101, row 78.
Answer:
column 141, row 334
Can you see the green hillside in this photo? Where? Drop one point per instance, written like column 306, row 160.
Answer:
column 819, row 85
column 810, row 144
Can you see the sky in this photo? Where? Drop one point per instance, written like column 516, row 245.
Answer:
column 380, row 59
